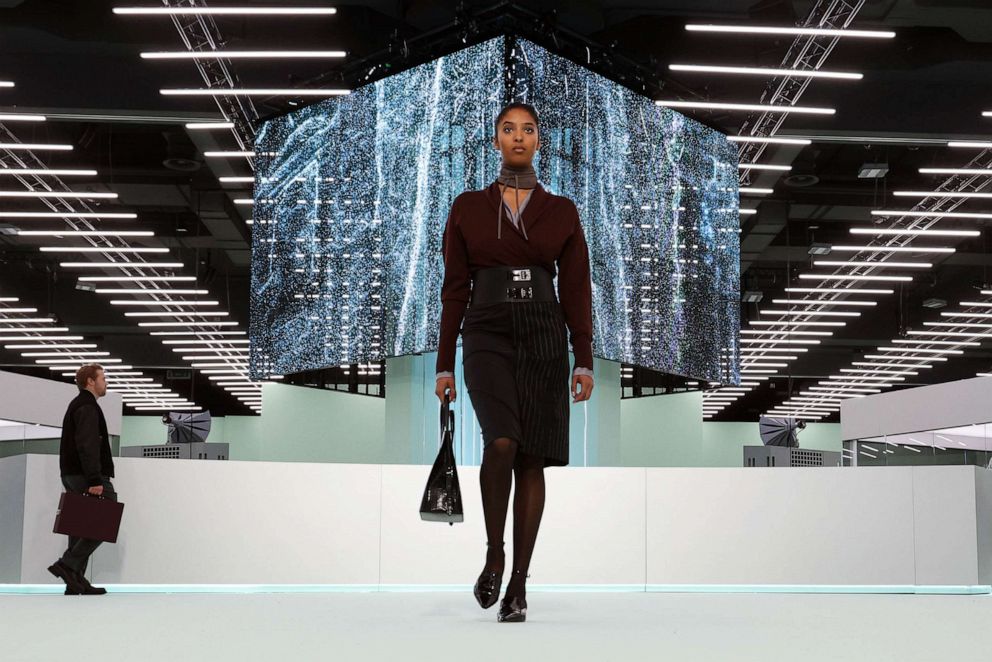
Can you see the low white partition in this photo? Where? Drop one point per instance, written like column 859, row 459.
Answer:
column 195, row 522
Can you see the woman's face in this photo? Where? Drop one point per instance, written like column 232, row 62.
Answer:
column 516, row 138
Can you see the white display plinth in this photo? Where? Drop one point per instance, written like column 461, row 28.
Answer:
column 201, row 522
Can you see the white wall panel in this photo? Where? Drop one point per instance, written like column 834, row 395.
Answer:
column 36, row 400
column 289, row 523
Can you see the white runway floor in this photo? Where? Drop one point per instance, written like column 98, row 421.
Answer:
column 673, row 627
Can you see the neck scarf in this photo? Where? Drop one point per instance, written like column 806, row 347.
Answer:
column 516, row 178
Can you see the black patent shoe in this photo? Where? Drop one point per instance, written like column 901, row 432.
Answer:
column 512, row 609
column 487, row 587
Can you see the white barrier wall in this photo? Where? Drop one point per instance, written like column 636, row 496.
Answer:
column 932, row 407
column 35, row 400
column 299, row 523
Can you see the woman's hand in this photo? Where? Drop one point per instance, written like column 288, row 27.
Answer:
column 445, row 384
column 585, row 381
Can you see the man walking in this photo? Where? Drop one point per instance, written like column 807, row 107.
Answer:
column 87, row 466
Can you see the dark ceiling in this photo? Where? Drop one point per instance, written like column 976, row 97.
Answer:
column 79, row 64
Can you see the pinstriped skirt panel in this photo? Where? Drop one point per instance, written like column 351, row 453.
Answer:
column 515, row 358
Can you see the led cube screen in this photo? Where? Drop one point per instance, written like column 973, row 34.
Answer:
column 352, row 194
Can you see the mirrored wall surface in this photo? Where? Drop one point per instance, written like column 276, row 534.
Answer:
column 970, row 444
column 17, row 437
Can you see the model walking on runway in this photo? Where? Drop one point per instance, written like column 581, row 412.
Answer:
column 502, row 247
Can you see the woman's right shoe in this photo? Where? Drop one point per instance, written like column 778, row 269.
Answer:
column 487, row 586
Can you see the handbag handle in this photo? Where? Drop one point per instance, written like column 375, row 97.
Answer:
column 447, row 417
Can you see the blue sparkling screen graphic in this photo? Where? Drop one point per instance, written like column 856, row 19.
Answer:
column 352, row 194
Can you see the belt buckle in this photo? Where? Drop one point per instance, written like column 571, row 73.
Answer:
column 520, row 275
column 519, row 293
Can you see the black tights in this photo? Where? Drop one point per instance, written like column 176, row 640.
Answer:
column 500, row 462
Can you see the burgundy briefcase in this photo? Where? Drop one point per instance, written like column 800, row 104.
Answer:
column 91, row 517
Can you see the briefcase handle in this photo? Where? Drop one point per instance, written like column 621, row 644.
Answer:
column 93, row 496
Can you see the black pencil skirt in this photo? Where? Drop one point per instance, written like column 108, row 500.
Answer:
column 515, row 362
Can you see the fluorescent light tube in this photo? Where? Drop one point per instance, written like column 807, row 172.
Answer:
column 100, row 249
column 228, row 154
column 55, row 172
column 54, row 214
column 124, row 265
column 930, row 214
column 52, row 346
column 57, row 194
column 84, row 233
column 259, row 91
column 969, row 144
column 149, row 291
column 753, row 190
column 789, row 332
column 72, row 360
column 836, row 290
column 141, row 279
column 821, row 313
column 778, row 341
column 31, row 320
column 763, row 166
column 21, row 117
column 167, row 313
column 747, row 107
column 923, row 341
column 920, row 350
column 855, row 278
column 225, row 11
column 775, row 30
column 73, row 353
column 916, row 233
column 232, row 341
column 23, row 338
column 817, row 302
column 955, row 171
column 867, row 263
column 240, row 55
column 136, row 302
column 952, row 334
column 793, row 323
column 892, row 249
column 186, row 324
column 236, row 180
column 204, row 126
column 201, row 335
column 941, row 194
column 769, row 140
column 764, row 71
column 907, row 356
column 18, row 310
column 36, row 147
column 968, row 315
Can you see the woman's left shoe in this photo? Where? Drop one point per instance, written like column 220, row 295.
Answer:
column 512, row 609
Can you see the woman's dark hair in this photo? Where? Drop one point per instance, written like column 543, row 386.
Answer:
column 522, row 106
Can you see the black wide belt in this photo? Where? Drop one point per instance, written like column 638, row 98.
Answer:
column 512, row 285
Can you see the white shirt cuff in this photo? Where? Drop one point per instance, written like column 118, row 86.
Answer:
column 441, row 375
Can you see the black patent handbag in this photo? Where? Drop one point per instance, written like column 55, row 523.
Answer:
column 442, row 500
